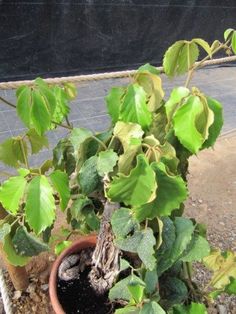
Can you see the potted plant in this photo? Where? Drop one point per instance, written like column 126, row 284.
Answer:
column 127, row 184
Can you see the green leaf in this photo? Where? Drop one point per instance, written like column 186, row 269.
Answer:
column 40, row 115
column 151, row 281
column 134, row 108
column 27, row 244
column 145, row 249
column 184, row 231
column 231, row 287
column 152, row 308
column 136, row 289
column 215, row 128
column 23, row 172
column 148, row 68
column 61, row 109
column 124, row 264
column 122, row 222
column 171, row 192
column 60, row 182
column 137, row 188
column 11, row 153
column 23, row 106
column 204, row 45
column 180, row 57
column 185, row 124
column 175, row 291
column 40, row 205
column 13, row 258
column 106, row 161
column 130, row 243
column 78, row 205
column 113, row 101
column 11, row 193
column 5, row 229
column 63, row 156
column 129, row 309
column 199, row 248
column 61, row 246
column 120, row 290
column 176, row 237
column 228, row 32
column 37, row 142
column 193, row 308
column 88, row 177
column 78, row 136
column 177, row 97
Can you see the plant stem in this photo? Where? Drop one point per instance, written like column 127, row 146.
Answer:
column 7, row 102
column 67, row 121
column 63, row 125
column 200, row 64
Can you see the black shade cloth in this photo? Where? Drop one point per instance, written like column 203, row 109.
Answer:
column 56, row 38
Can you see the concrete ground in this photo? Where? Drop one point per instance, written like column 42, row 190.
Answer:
column 89, row 109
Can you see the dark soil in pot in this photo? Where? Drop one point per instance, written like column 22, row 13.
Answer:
column 77, row 296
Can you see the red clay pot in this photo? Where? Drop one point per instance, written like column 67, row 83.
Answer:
column 82, row 243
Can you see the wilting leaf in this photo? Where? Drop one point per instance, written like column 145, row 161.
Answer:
column 37, row 142
column 27, row 244
column 223, row 266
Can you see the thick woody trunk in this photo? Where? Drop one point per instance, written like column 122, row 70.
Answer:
column 17, row 274
column 105, row 259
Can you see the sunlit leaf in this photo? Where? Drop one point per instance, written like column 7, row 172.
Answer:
column 11, row 193
column 134, row 108
column 113, row 101
column 40, row 205
column 135, row 189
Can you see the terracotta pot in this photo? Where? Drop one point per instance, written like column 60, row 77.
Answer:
column 82, row 243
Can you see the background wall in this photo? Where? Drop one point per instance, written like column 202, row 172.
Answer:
column 53, row 38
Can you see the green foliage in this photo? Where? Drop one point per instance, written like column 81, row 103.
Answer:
column 141, row 163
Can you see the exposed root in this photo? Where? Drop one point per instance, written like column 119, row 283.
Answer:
column 73, row 264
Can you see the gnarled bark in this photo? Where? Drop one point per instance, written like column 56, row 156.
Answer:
column 105, row 259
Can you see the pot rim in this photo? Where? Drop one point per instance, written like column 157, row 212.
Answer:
column 82, row 243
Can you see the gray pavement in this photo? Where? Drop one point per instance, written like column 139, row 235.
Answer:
column 89, row 109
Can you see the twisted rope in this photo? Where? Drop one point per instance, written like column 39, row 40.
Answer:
column 5, row 296
column 101, row 76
